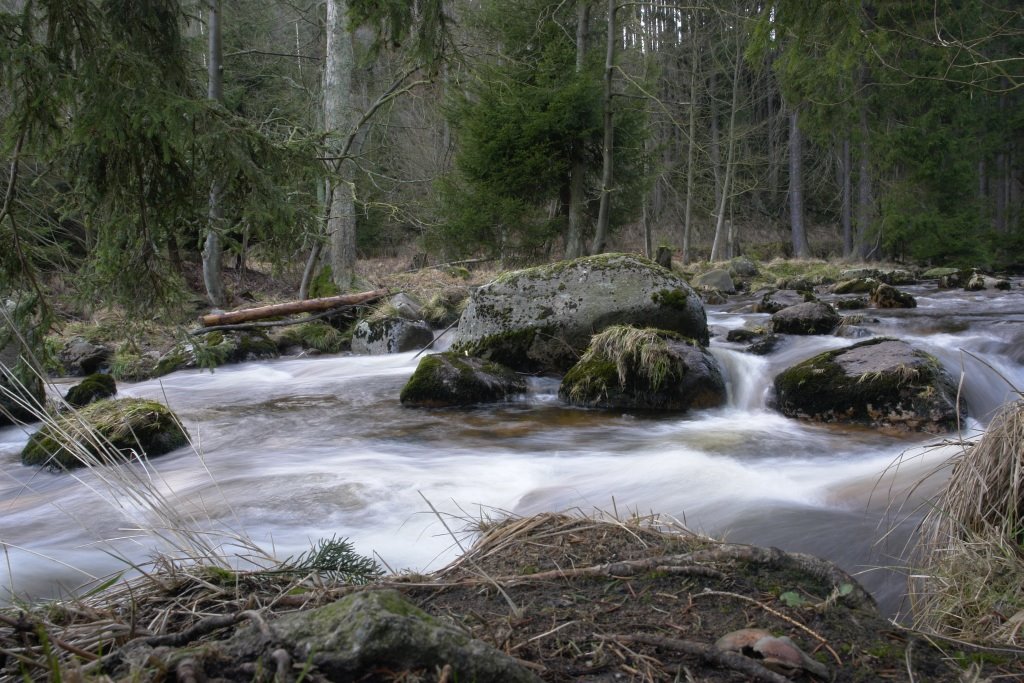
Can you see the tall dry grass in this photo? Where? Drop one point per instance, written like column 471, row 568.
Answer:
column 969, row 582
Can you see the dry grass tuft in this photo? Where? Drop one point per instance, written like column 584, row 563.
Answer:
column 970, row 582
column 639, row 351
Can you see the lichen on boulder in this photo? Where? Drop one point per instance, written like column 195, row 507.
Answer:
column 390, row 335
column 449, row 379
column 104, row 432
column 358, row 636
column 542, row 319
column 880, row 382
column 644, row 369
column 812, row 317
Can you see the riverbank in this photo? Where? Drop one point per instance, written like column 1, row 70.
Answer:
column 563, row 598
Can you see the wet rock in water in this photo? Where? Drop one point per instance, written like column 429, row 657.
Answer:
column 765, row 345
column 718, row 279
column 856, row 303
column 215, row 349
column 406, row 306
column 80, row 357
column 713, row 297
column 859, row 273
column 93, row 388
column 128, row 424
column 887, row 296
column 644, row 369
column 897, row 276
column 743, row 335
column 362, row 634
column 812, row 317
column 542, row 319
column 450, row 379
column 936, row 273
column 880, row 382
column 979, row 281
column 773, row 301
column 856, row 286
column 390, row 335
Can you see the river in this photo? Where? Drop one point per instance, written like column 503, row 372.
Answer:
column 294, row 450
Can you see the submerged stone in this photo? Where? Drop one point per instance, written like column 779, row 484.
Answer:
column 542, row 319
column 880, row 382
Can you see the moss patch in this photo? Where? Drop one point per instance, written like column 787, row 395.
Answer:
column 449, row 379
column 92, row 388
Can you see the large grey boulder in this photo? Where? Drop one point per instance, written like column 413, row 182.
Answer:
column 362, row 634
column 812, row 317
column 644, row 369
column 774, row 300
column 880, row 382
column 390, row 335
column 450, row 379
column 715, row 279
column 542, row 319
column 80, row 357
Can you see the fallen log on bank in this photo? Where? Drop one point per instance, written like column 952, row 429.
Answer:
column 289, row 308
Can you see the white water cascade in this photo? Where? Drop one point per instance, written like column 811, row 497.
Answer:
column 294, row 450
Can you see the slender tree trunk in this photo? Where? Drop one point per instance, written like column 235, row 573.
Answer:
column 864, row 202
column 338, row 69
column 212, row 250
column 718, row 246
column 604, row 210
column 690, row 173
column 796, row 187
column 578, row 171
column 846, row 176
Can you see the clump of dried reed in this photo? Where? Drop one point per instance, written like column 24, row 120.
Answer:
column 969, row 582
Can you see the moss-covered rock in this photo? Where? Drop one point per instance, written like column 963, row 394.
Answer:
column 644, row 369
column 880, row 382
column 361, row 635
column 542, row 319
column 450, row 379
column 215, row 349
column 812, row 317
column 93, row 388
column 864, row 285
column 390, row 335
column 887, row 296
column 122, row 426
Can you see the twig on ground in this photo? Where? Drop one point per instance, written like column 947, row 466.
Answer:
column 707, row 653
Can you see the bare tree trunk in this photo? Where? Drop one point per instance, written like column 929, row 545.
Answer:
column 687, row 220
column 864, row 205
column 212, row 250
column 341, row 220
column 604, row 210
column 796, row 187
column 718, row 246
column 577, row 174
column 846, row 175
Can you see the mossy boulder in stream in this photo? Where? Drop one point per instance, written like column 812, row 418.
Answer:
column 812, row 317
column 880, row 382
column 107, row 430
column 93, row 388
column 449, row 379
column 644, row 369
column 542, row 319
column 391, row 335
column 887, row 296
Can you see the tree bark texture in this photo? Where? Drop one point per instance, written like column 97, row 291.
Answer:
column 212, row 249
column 846, row 177
column 577, row 173
column 291, row 307
column 718, row 247
column 796, row 187
column 604, row 210
column 338, row 69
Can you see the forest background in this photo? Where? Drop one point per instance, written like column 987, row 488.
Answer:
column 141, row 139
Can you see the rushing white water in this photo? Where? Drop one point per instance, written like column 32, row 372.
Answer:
column 295, row 450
